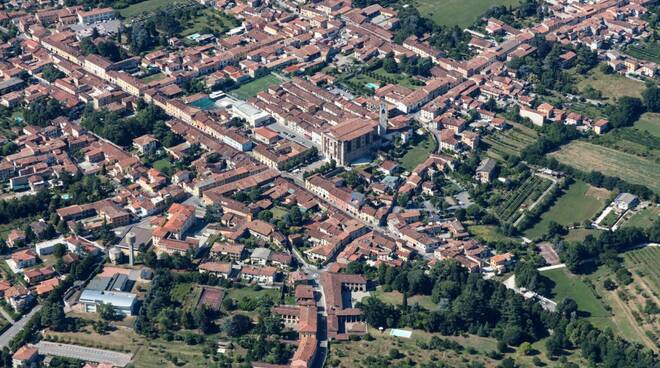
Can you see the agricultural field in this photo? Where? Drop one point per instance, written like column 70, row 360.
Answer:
column 521, row 198
column 252, row 88
column 638, row 140
column 461, row 13
column 610, row 85
column 489, row 233
column 509, row 142
column 419, row 152
column 587, row 157
column 645, row 51
column 649, row 123
column 579, row 202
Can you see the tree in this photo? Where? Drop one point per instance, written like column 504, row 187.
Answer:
column 626, row 111
column 390, row 65
column 50, row 73
column 651, row 98
column 237, row 325
column 107, row 312
column 59, row 250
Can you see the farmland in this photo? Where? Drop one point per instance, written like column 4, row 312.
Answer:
column 578, row 203
column 509, row 142
column 638, row 140
column 643, row 218
column 523, row 196
column 587, row 157
column 649, row 123
column 460, row 13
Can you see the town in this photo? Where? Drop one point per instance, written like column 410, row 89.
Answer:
column 330, row 183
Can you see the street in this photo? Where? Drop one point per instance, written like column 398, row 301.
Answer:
column 12, row 331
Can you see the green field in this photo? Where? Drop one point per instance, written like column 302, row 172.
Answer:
column 209, row 20
column 489, row 233
column 587, row 157
column 567, row 285
column 250, row 292
column 634, row 140
column 352, row 354
column 380, row 78
column 396, row 298
column 649, row 123
column 578, row 235
column 162, row 165
column 509, row 142
column 646, row 260
column 610, row 85
column 153, row 77
column 580, row 202
column 644, row 218
column 250, row 89
column 645, row 51
column 143, row 7
column 460, row 13
column 418, row 153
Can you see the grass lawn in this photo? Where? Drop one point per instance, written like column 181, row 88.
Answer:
column 580, row 202
column 567, row 285
column 418, row 153
column 380, row 77
column 650, row 123
column 578, row 235
column 143, row 7
column 587, row 157
column 489, row 233
column 209, row 19
column 396, row 298
column 644, row 218
column 153, row 77
column 250, row 89
column 460, row 13
column 162, row 164
column 353, row 353
column 610, row 85
column 278, row 212
column 187, row 294
column 248, row 291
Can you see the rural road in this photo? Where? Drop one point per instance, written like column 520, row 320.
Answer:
column 540, row 198
column 12, row 331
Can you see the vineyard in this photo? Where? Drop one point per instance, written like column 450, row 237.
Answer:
column 524, row 195
column 650, row 52
column 510, row 142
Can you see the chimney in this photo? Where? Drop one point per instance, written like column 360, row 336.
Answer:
column 130, row 239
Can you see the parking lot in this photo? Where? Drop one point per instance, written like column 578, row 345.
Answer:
column 84, row 353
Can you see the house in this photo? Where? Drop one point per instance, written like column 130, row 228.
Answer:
column 500, row 262
column 601, row 126
column 262, row 275
column 16, row 238
column 146, row 144
column 27, row 356
column 486, row 170
column 626, row 201
column 22, row 259
column 233, row 251
column 260, row 256
column 18, row 296
column 218, row 269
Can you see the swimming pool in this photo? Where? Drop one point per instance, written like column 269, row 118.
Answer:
column 204, row 104
column 372, row 85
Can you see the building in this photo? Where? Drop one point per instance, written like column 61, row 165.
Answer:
column 26, row 356
column 146, row 144
column 601, row 126
column 254, row 116
column 486, row 170
column 626, row 201
column 350, row 140
column 123, row 302
column 96, row 15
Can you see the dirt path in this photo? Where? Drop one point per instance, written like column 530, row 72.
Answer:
column 640, row 331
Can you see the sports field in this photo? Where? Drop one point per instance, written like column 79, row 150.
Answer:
column 460, row 13
column 252, row 88
column 509, row 142
column 580, row 202
column 587, row 157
